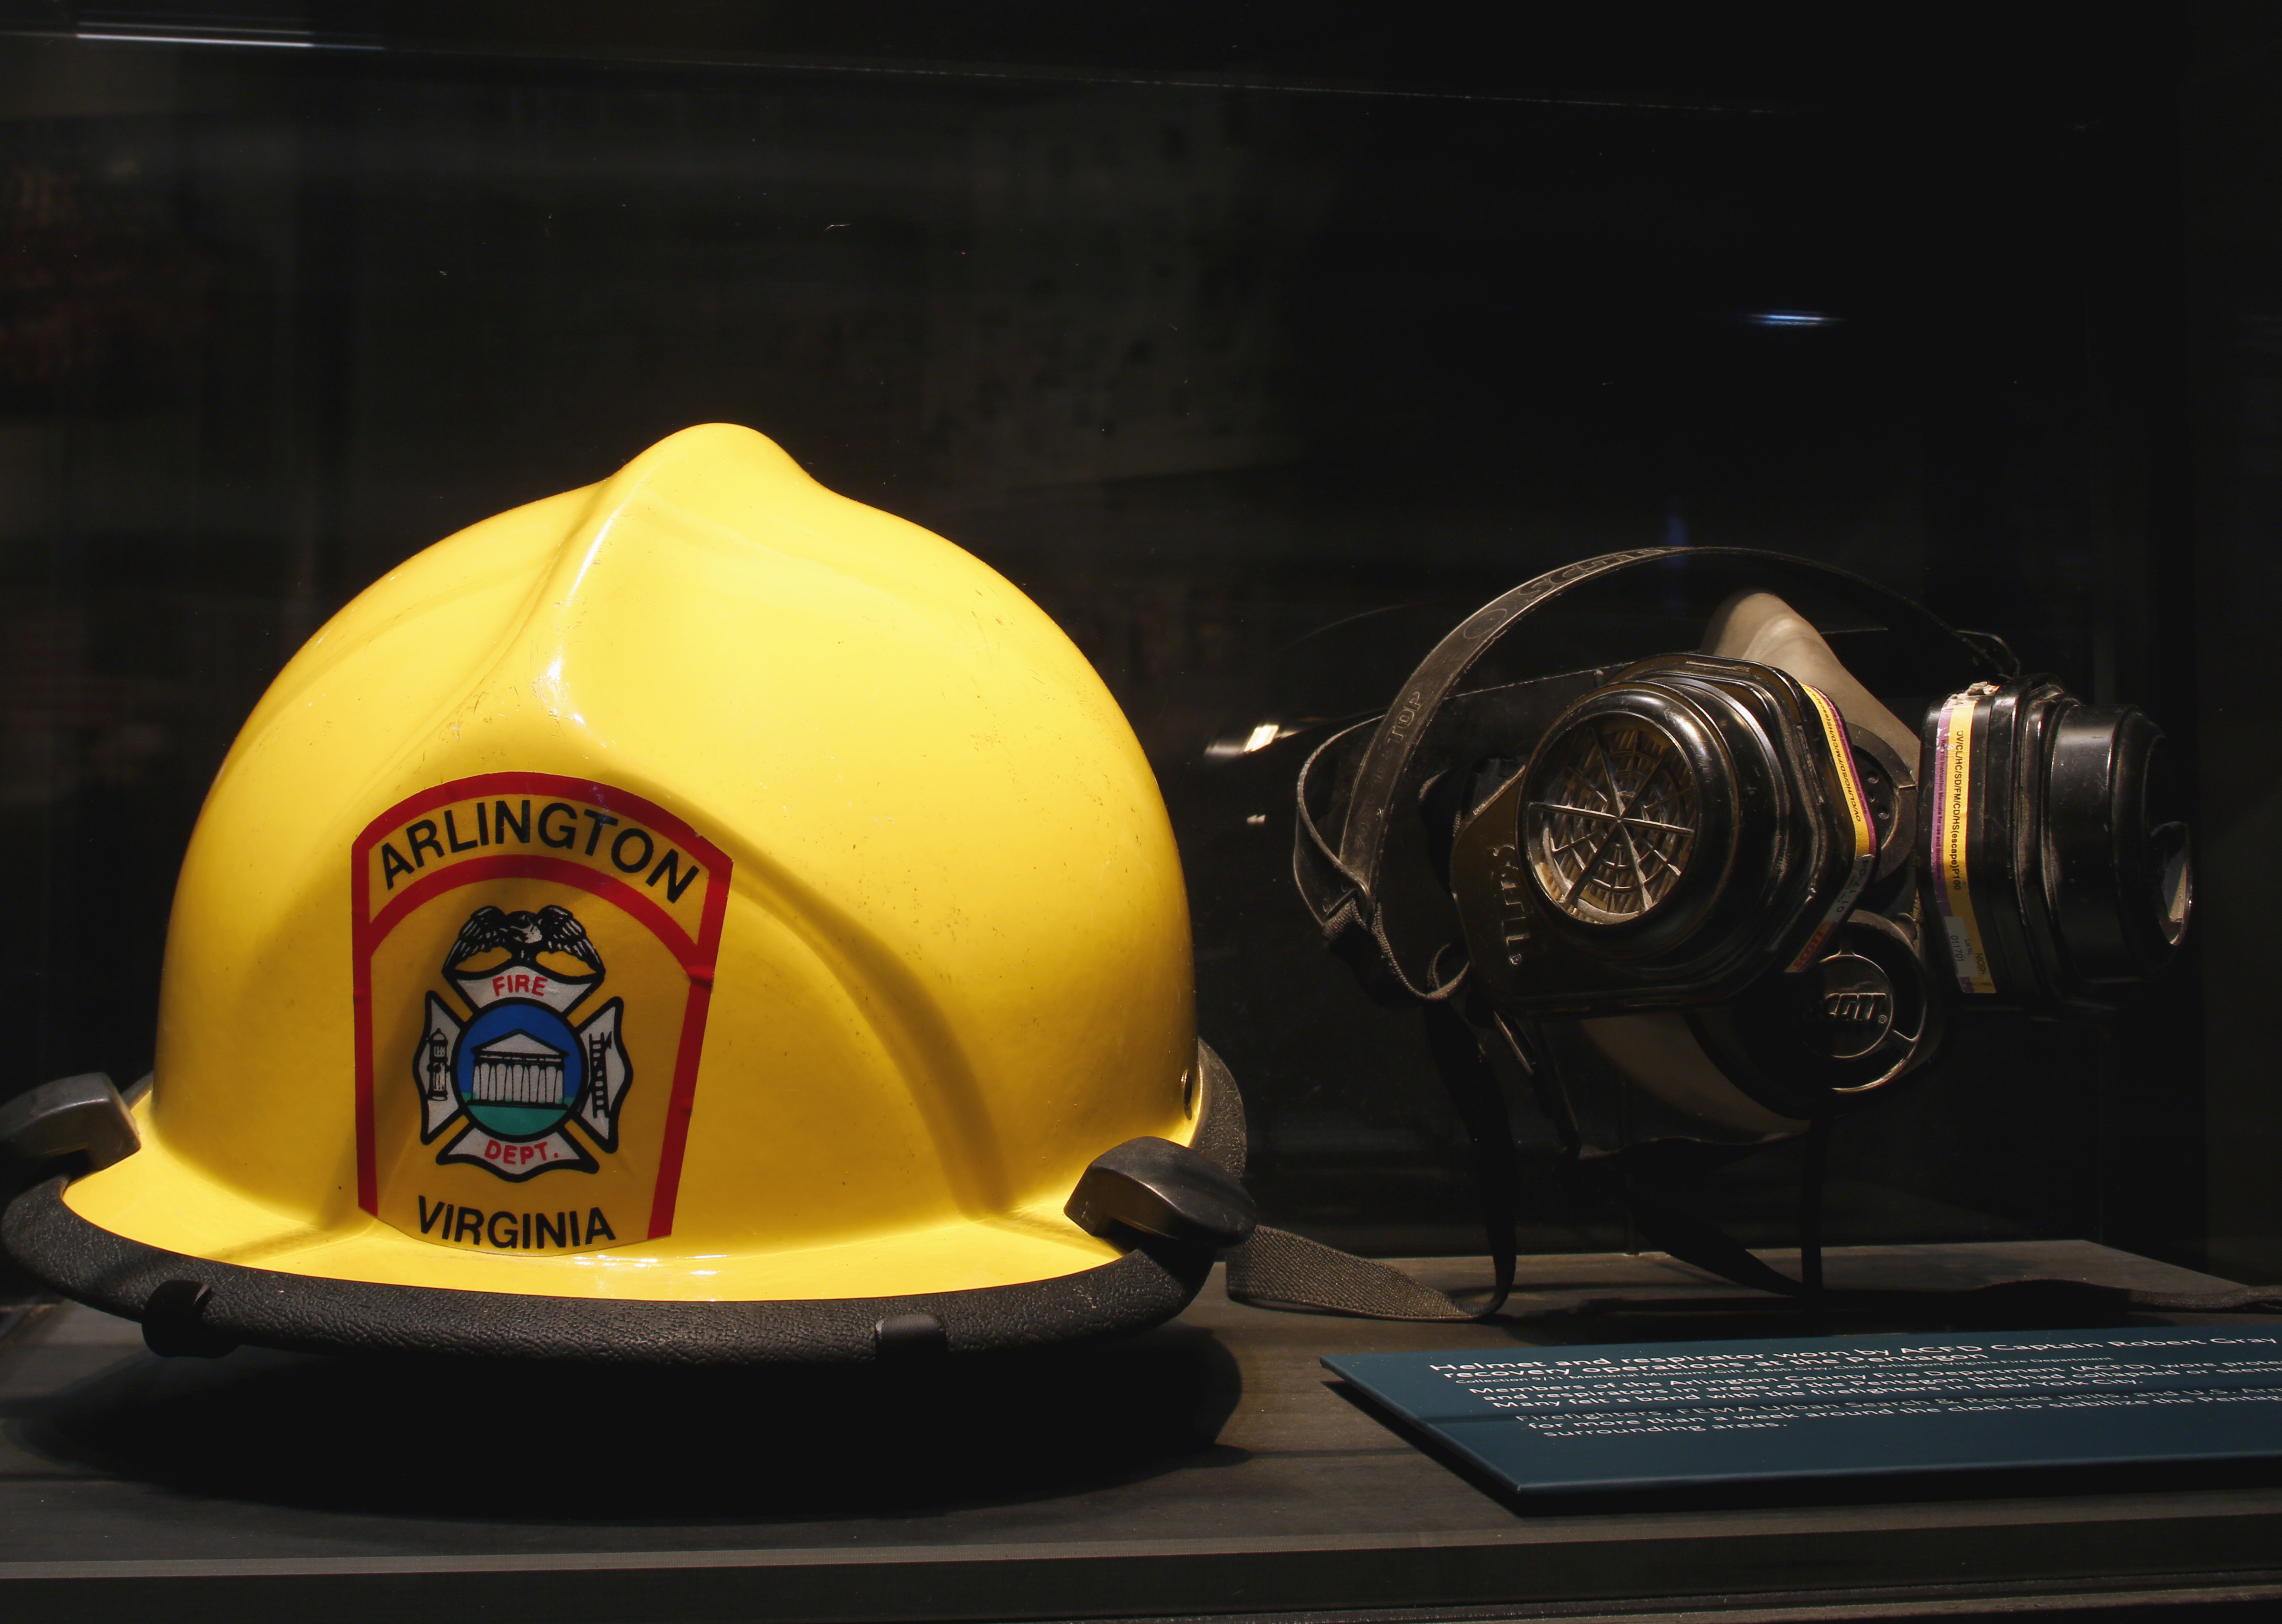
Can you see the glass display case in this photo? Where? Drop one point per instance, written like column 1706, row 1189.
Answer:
column 1257, row 350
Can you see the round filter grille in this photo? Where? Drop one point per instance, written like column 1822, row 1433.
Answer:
column 1609, row 834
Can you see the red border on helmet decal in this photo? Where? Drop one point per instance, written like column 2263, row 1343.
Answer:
column 697, row 957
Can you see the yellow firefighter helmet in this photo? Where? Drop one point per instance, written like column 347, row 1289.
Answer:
column 693, row 917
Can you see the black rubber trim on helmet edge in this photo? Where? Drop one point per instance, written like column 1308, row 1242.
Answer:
column 309, row 1313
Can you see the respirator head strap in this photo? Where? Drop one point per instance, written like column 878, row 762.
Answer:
column 1353, row 926
column 1401, row 933
column 1331, row 890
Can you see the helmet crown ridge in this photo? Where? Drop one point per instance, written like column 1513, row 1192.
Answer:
column 730, row 869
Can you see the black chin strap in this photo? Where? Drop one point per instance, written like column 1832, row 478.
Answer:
column 1277, row 1269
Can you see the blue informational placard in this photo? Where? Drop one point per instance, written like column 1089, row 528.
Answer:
column 1662, row 1415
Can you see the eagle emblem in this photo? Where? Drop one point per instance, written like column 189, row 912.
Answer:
column 515, row 1075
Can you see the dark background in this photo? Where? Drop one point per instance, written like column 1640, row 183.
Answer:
column 1257, row 344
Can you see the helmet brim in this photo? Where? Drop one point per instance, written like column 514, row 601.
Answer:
column 333, row 1313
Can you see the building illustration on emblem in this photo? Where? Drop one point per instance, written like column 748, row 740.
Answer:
column 517, row 1074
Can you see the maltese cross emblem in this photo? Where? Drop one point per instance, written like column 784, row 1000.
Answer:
column 517, row 1075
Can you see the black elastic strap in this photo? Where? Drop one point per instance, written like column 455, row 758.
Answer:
column 1277, row 1269
column 1280, row 1269
column 1401, row 935
column 1343, row 904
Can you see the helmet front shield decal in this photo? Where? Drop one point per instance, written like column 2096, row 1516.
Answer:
column 534, row 957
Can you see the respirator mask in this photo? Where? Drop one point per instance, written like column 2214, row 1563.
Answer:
column 1702, row 901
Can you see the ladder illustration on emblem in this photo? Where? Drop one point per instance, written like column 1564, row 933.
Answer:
column 597, row 1087
column 439, row 1064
